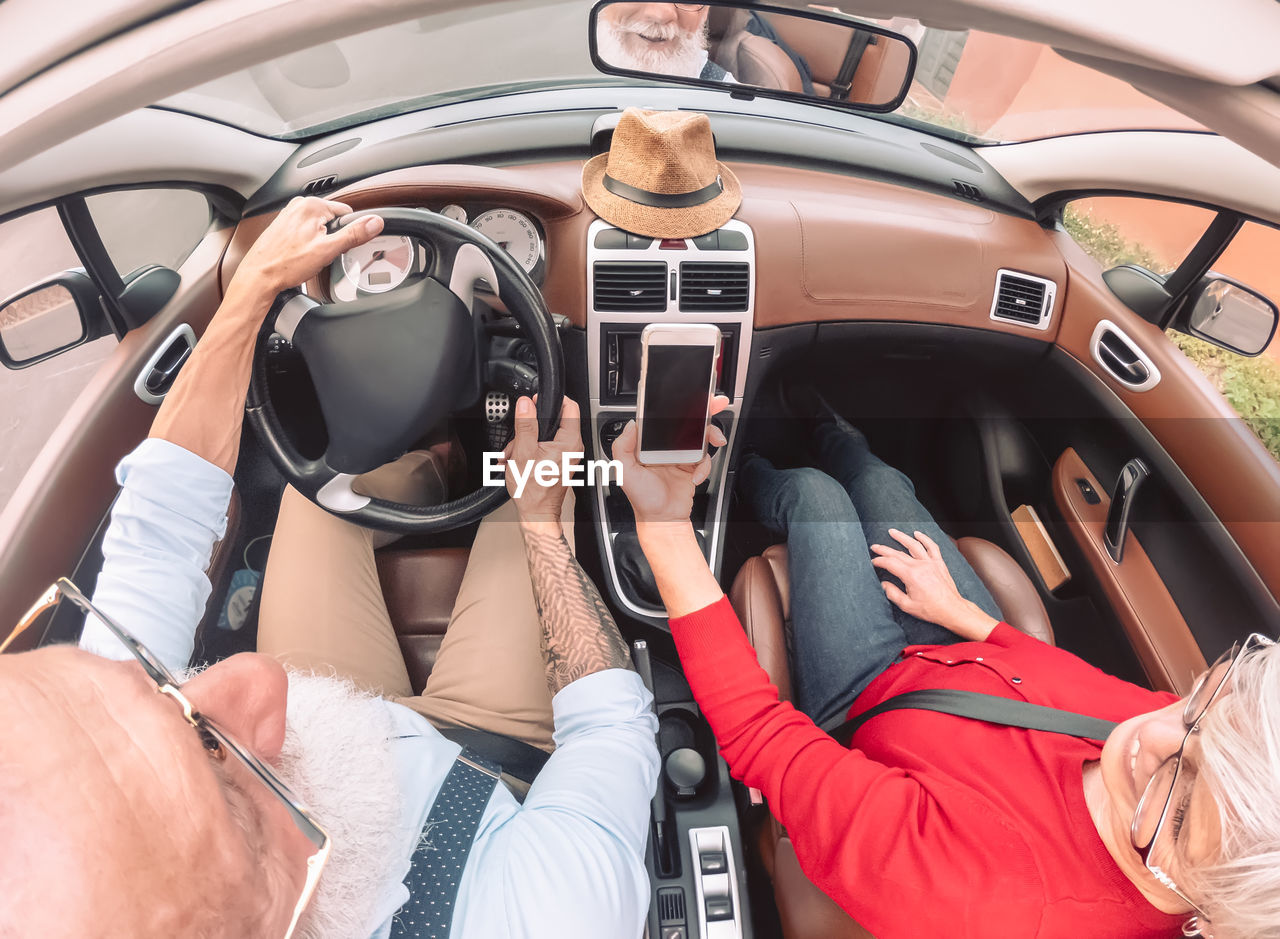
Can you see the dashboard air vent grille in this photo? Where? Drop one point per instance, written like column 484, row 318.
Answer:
column 630, row 286
column 968, row 191
column 1022, row 299
column 319, row 184
column 714, row 286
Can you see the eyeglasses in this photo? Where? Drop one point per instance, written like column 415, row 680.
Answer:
column 214, row 739
column 1170, row 779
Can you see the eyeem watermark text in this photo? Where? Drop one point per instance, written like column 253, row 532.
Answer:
column 572, row 470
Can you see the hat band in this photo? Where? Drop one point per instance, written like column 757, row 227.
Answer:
column 663, row 200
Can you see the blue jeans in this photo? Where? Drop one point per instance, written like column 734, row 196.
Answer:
column 844, row 630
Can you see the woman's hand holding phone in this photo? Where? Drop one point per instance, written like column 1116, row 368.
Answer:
column 663, row 493
column 662, row 498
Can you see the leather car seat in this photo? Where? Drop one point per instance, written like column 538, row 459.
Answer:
column 878, row 77
column 420, row 586
column 750, row 59
column 761, row 596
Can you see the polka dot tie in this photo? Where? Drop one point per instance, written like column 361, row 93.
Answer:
column 435, row 872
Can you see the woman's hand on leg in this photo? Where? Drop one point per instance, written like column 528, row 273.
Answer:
column 930, row 592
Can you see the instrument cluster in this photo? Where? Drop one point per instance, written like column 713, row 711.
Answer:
column 386, row 262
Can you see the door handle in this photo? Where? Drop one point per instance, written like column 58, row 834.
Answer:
column 1131, row 369
column 1131, row 478
column 161, row 370
column 1122, row 358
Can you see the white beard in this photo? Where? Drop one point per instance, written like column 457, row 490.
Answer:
column 337, row 758
column 620, row 45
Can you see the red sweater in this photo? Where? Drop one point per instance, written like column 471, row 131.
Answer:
column 930, row 824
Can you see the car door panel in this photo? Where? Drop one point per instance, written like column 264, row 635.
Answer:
column 56, row 510
column 1137, row 595
column 1221, row 457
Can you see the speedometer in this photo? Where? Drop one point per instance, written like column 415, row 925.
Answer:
column 378, row 265
column 515, row 233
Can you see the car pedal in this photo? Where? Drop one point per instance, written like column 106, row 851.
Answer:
column 501, row 420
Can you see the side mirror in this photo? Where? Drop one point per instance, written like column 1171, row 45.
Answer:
column 1228, row 314
column 751, row 49
column 46, row 319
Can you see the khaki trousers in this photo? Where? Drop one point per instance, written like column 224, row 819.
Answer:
column 323, row 610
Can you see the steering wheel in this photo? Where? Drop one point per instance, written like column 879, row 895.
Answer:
column 388, row 368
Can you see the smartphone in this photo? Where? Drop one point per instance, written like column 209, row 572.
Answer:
column 678, row 367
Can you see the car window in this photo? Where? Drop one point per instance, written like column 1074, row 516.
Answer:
column 33, row 400
column 1154, row 233
column 149, row 226
column 1252, row 385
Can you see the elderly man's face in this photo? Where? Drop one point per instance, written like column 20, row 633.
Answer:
column 666, row 38
column 110, row 803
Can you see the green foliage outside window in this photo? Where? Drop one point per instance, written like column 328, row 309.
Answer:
column 1251, row 386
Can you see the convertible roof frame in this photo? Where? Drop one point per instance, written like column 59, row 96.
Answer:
column 79, row 72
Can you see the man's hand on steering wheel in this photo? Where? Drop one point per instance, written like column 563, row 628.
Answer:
column 536, row 502
column 297, row 245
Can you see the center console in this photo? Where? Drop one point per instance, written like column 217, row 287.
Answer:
column 633, row 281
column 694, row 858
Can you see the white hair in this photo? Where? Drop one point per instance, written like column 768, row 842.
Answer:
column 619, row 44
column 1240, row 741
column 337, row 757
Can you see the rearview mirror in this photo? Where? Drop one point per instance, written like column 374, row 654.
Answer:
column 806, row 55
column 1227, row 313
column 46, row 319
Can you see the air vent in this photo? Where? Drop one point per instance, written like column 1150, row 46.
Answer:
column 671, row 905
column 630, row 286
column 714, row 286
column 968, row 191
column 320, row 184
column 1023, row 299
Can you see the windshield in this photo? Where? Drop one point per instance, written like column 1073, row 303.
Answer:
column 970, row 86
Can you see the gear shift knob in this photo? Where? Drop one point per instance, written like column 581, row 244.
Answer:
column 685, row 769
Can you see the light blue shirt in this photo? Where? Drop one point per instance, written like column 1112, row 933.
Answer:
column 568, row 863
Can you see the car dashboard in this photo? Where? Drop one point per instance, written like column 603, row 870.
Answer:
column 807, row 249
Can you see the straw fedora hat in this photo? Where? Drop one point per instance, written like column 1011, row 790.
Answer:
column 661, row 178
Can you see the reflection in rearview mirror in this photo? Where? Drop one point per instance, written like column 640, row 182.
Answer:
column 39, row 323
column 827, row 57
column 1233, row 316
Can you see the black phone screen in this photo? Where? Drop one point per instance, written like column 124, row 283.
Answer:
column 677, row 383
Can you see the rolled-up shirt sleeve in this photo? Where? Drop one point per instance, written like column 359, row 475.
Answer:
column 589, row 811
column 171, row 510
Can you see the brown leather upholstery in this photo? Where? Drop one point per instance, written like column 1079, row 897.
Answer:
column 765, row 614
column 880, row 72
column 420, row 587
column 761, row 595
column 1010, row 587
column 750, row 59
column 803, row 909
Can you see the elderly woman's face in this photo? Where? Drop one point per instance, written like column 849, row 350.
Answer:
column 1133, row 753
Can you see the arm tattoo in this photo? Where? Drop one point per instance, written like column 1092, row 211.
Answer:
column 578, row 634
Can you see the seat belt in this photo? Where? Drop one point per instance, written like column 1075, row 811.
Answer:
column 984, row 707
column 843, row 81
column 517, row 758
